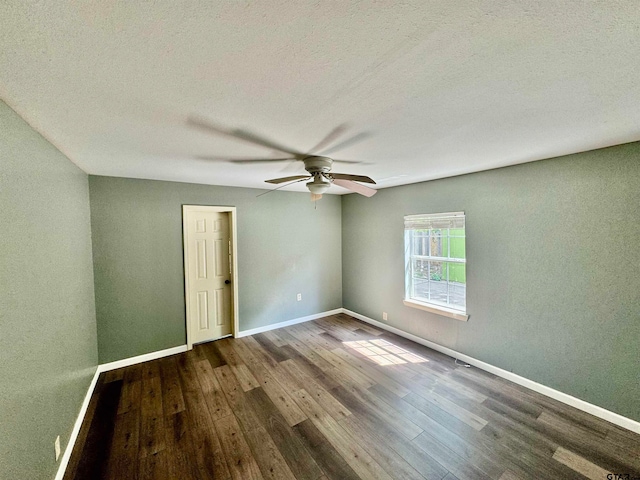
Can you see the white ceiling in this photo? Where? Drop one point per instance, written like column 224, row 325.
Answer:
column 443, row 88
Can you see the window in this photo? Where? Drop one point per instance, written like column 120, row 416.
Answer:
column 435, row 263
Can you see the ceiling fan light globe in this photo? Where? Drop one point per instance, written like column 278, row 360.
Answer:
column 318, row 188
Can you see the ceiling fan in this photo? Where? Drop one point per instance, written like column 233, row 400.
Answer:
column 318, row 165
column 319, row 169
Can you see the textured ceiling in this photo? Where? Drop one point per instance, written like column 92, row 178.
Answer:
column 442, row 88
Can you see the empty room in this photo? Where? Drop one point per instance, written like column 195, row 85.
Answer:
column 319, row 240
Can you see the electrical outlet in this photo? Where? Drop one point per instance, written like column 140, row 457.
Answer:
column 384, row 315
column 56, row 445
column 299, row 297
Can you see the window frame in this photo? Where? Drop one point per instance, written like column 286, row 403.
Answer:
column 414, row 302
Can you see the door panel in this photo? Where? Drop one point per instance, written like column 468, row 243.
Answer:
column 209, row 294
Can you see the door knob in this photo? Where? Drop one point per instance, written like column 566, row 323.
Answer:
column 227, row 282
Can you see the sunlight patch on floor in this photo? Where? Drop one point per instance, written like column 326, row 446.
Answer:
column 383, row 352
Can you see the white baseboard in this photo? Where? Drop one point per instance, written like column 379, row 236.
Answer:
column 594, row 410
column 125, row 362
column 76, row 427
column 287, row 323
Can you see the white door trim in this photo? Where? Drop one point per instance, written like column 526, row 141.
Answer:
column 234, row 263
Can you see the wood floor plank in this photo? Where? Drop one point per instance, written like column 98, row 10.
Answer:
column 270, row 348
column 450, row 460
column 123, row 456
column 210, row 352
column 153, row 467
column 326, row 456
column 208, row 453
column 356, row 376
column 172, row 399
column 511, row 448
column 262, row 446
column 245, row 377
column 297, row 457
column 150, row 369
column 327, row 401
column 212, row 391
column 231, row 354
column 387, row 434
column 594, row 449
column 228, row 353
column 179, row 448
column 525, row 458
column 627, row 443
column 337, row 329
column 370, row 371
column 311, row 356
column 466, row 444
column 459, row 437
column 353, row 453
column 236, row 397
column 388, row 458
column 275, row 338
column 366, row 328
column 509, row 475
column 113, row 375
column 580, row 464
column 505, row 394
column 474, row 421
column 267, row 455
column 285, row 378
column 242, row 465
column 383, row 410
column 282, row 400
column 251, row 356
column 96, row 450
column 310, row 368
column 152, row 438
column 78, row 448
column 130, row 397
column 257, row 349
column 438, row 414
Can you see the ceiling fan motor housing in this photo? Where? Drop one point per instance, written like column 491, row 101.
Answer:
column 316, row 164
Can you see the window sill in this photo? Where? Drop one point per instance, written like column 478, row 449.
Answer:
column 438, row 310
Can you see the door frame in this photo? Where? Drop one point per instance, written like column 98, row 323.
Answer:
column 234, row 263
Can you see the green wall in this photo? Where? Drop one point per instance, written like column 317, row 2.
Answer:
column 285, row 247
column 48, row 351
column 553, row 272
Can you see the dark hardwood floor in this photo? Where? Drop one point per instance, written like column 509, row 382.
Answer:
column 335, row 398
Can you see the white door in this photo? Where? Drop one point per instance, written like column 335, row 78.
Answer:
column 208, row 267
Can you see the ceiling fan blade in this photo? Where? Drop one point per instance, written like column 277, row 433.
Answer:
column 352, row 162
column 292, row 166
column 281, row 186
column 330, row 137
column 242, row 160
column 315, row 197
column 261, row 160
column 346, row 143
column 355, row 178
column 287, row 179
column 243, row 135
column 356, row 187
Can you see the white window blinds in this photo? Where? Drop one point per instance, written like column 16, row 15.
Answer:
column 434, row 221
